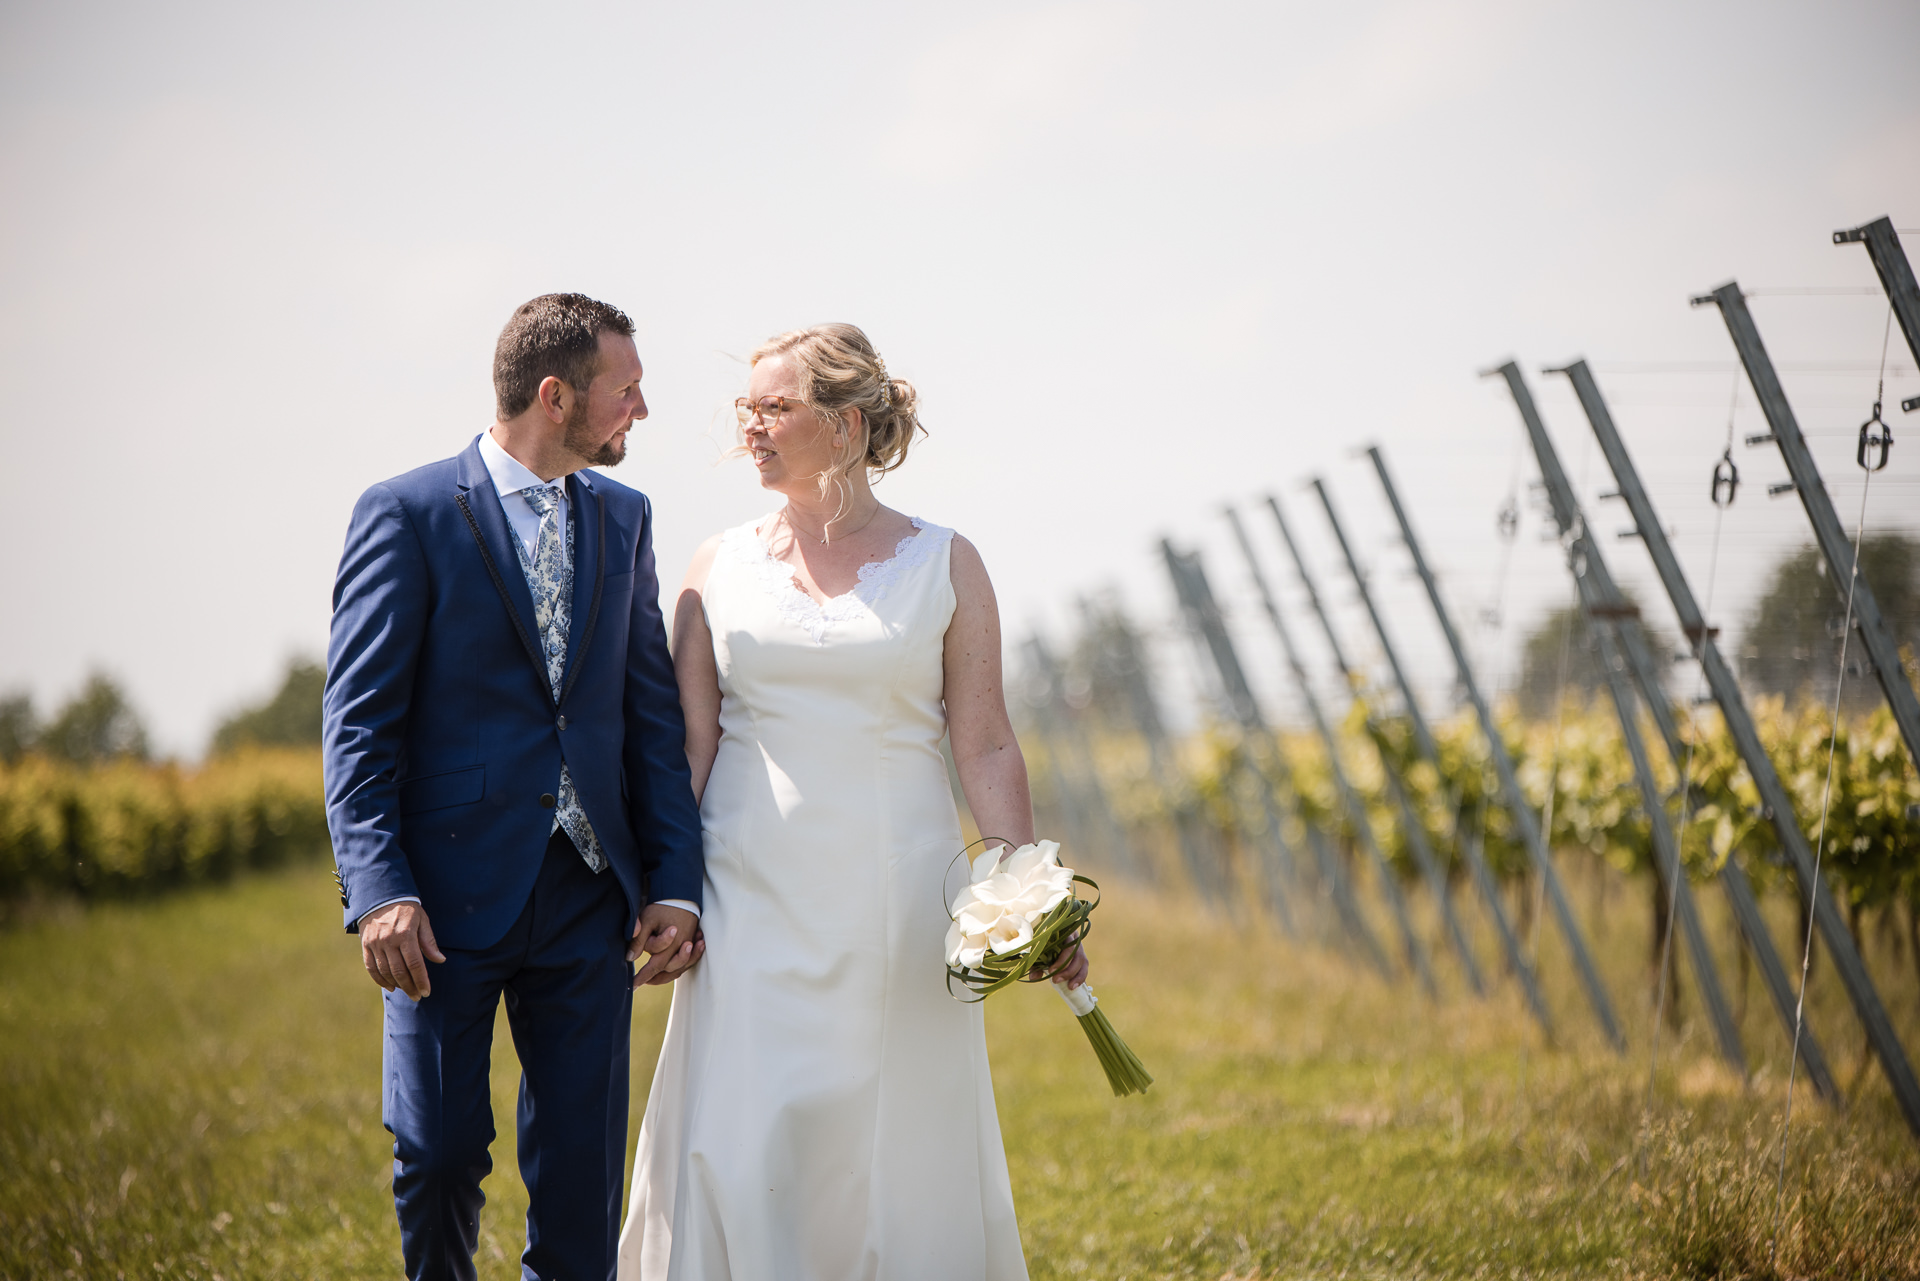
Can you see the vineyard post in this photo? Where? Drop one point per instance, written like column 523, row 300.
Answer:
column 1130, row 665
column 1209, row 630
column 1074, row 807
column 1835, row 547
column 1468, row 846
column 1349, row 799
column 1732, row 877
column 1774, row 801
column 1076, row 733
column 1607, row 610
column 1523, row 815
column 1896, row 277
column 1416, row 831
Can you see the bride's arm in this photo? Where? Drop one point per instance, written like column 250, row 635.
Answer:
column 993, row 773
column 694, row 668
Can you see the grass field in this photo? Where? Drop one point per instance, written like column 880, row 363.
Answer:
column 189, row 1088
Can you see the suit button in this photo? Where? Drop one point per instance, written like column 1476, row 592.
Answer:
column 546, row 801
column 563, row 721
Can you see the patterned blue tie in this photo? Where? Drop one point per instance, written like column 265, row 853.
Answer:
column 550, row 579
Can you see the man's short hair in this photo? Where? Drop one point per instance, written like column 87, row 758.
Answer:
column 554, row 336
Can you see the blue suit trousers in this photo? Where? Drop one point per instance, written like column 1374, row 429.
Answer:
column 563, row 971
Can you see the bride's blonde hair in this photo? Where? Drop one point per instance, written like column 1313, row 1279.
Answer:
column 838, row 370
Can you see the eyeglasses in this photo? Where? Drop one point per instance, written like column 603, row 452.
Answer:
column 767, row 407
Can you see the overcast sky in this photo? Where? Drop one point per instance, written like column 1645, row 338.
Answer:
column 1141, row 260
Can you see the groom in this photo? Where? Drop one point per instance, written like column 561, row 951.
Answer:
column 508, row 794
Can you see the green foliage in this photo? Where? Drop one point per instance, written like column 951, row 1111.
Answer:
column 1791, row 644
column 97, row 724
column 126, row 828
column 1564, row 644
column 291, row 718
column 19, row 727
column 1873, row 849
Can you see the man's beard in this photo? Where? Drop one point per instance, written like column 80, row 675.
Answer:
column 579, row 442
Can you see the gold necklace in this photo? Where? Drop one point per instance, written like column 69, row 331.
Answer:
column 787, row 515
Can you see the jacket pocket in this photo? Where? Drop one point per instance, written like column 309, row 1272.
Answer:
column 442, row 791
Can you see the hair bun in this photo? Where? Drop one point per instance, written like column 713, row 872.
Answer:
column 839, row 370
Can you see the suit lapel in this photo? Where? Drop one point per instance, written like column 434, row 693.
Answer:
column 589, row 560
column 488, row 523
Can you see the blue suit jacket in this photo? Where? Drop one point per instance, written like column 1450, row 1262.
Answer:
column 441, row 732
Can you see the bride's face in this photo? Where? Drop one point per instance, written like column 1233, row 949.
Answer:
column 793, row 445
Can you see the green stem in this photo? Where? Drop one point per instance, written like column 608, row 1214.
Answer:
column 1125, row 1073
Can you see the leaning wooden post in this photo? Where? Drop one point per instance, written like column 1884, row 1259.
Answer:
column 1468, row 846
column 1349, row 799
column 1209, row 630
column 1416, row 831
column 1774, row 800
column 1629, row 629
column 1607, row 608
column 1522, row 812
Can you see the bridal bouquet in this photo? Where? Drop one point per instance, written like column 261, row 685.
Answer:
column 1016, row 917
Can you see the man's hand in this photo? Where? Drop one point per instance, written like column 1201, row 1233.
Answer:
column 395, row 945
column 669, row 937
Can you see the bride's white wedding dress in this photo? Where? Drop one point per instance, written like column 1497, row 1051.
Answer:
column 822, row 1109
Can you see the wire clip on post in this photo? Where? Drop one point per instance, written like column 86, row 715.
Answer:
column 1875, row 445
column 1726, row 479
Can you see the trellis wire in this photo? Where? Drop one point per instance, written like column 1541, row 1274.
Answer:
column 1686, row 786
column 1826, row 797
column 1553, row 782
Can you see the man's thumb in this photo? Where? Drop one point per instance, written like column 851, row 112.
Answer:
column 429, row 946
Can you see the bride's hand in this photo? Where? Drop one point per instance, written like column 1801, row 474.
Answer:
column 671, row 941
column 1071, row 968
column 669, row 974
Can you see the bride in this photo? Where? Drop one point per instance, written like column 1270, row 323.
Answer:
column 822, row 1107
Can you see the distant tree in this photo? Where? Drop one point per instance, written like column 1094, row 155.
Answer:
column 1101, row 665
column 1549, row 644
column 19, row 727
column 291, row 718
column 97, row 724
column 1791, row 644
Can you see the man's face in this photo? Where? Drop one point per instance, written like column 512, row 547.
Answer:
column 598, row 423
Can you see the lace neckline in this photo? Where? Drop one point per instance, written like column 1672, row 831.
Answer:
column 875, row 578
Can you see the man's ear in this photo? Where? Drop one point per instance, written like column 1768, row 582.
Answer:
column 555, row 398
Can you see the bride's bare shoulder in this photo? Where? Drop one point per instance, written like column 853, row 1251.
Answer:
column 702, row 564
column 968, row 571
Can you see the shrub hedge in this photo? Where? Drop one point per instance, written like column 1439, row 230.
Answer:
column 126, row 828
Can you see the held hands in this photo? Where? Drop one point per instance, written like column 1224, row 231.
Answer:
column 395, row 945
column 396, row 942
column 670, row 939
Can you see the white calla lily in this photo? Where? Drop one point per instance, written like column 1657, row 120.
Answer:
column 1009, row 934
column 1009, row 892
column 964, row 948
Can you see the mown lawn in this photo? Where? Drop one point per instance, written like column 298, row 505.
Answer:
column 189, row 1088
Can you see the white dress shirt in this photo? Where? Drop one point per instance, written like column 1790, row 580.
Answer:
column 510, row 477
